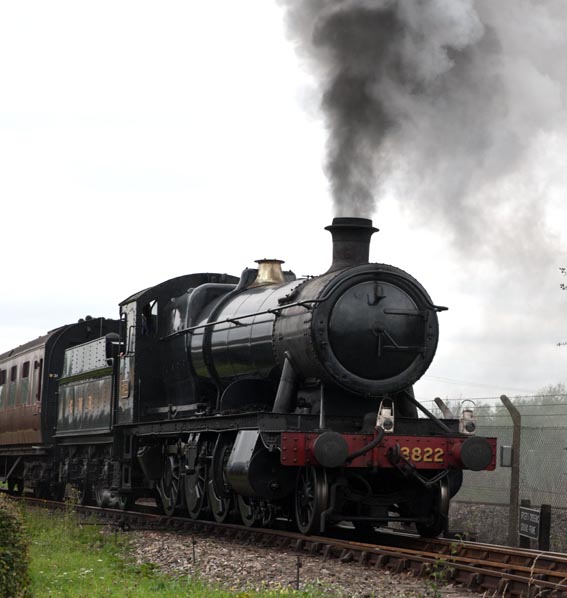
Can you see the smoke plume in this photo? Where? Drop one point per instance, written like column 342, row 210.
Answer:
column 441, row 102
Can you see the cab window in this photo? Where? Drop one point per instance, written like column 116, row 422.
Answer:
column 149, row 318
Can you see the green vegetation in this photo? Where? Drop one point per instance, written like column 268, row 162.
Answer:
column 86, row 561
column 440, row 571
column 14, row 579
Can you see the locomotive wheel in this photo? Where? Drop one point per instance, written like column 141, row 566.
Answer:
column 124, row 502
column 267, row 516
column 57, row 491
column 15, row 486
column 248, row 513
column 81, row 489
column 220, row 505
column 84, row 493
column 218, row 489
column 439, row 517
column 77, row 492
column 101, row 496
column 195, row 486
column 169, row 485
column 311, row 497
column 42, row 490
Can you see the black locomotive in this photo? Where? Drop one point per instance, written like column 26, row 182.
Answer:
column 263, row 396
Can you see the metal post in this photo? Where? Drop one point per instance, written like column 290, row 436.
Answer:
column 444, row 408
column 544, row 527
column 514, row 510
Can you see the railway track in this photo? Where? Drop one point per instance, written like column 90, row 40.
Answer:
column 494, row 570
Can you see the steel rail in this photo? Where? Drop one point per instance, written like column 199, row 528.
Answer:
column 479, row 567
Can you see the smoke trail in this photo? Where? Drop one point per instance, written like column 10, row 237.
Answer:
column 440, row 100
column 457, row 109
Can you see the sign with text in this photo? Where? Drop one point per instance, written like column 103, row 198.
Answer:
column 529, row 523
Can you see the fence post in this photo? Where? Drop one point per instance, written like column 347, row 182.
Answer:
column 544, row 527
column 514, row 510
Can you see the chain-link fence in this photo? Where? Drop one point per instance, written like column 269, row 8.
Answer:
column 543, row 464
column 543, row 468
column 543, row 450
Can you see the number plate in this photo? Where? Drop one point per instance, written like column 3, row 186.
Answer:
column 428, row 454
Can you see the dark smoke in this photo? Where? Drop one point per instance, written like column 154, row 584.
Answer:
column 456, row 111
column 359, row 43
column 439, row 102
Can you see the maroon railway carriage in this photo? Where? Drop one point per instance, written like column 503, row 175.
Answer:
column 29, row 391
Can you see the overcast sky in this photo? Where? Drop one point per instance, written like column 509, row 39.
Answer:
column 140, row 141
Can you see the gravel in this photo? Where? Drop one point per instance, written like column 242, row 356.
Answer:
column 240, row 567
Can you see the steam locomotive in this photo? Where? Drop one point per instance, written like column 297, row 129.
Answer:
column 262, row 396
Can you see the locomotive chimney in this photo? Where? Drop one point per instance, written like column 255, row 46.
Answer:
column 351, row 241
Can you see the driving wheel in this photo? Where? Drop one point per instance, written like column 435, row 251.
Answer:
column 311, row 497
column 195, row 485
column 248, row 511
column 169, row 485
column 220, row 505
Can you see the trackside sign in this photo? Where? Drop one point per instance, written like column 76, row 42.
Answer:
column 529, row 523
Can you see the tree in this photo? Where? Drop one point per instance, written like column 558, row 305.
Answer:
column 548, row 407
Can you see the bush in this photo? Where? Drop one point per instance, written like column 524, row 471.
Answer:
column 14, row 577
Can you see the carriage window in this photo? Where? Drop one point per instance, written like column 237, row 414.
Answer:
column 12, row 386
column 2, row 388
column 24, row 390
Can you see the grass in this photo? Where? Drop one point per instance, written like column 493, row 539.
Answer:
column 83, row 561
